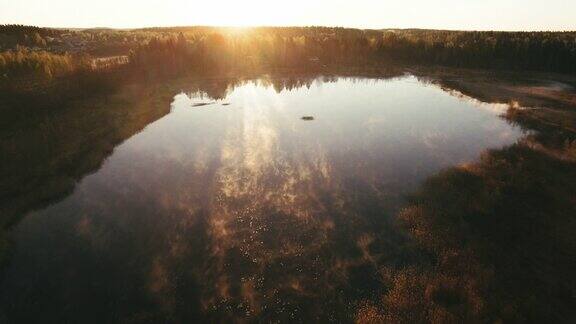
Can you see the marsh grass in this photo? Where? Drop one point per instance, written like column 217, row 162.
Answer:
column 496, row 237
column 501, row 236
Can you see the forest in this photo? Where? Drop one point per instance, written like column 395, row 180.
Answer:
column 31, row 53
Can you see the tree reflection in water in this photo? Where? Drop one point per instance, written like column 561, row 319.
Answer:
column 244, row 212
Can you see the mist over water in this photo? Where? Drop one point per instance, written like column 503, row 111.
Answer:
column 238, row 208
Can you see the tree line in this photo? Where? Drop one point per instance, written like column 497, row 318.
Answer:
column 301, row 47
column 542, row 51
column 42, row 64
column 168, row 51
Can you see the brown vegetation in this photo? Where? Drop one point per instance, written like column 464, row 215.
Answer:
column 495, row 237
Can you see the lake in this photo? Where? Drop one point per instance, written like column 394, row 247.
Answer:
column 267, row 202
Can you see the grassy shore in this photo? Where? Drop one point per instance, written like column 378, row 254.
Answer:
column 495, row 237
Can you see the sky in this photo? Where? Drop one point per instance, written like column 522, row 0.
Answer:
column 434, row 14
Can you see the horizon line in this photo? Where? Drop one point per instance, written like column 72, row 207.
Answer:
column 297, row 26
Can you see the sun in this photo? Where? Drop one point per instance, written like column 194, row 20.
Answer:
column 240, row 30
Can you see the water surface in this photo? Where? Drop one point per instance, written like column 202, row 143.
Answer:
column 238, row 208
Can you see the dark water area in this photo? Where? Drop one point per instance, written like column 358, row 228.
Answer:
column 260, row 204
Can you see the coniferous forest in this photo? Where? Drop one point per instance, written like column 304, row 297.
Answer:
column 47, row 53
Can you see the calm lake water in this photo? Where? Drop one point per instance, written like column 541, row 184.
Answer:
column 240, row 209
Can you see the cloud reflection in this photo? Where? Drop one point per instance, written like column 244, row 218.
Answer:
column 243, row 211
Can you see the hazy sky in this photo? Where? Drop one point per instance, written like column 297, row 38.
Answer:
column 440, row 14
